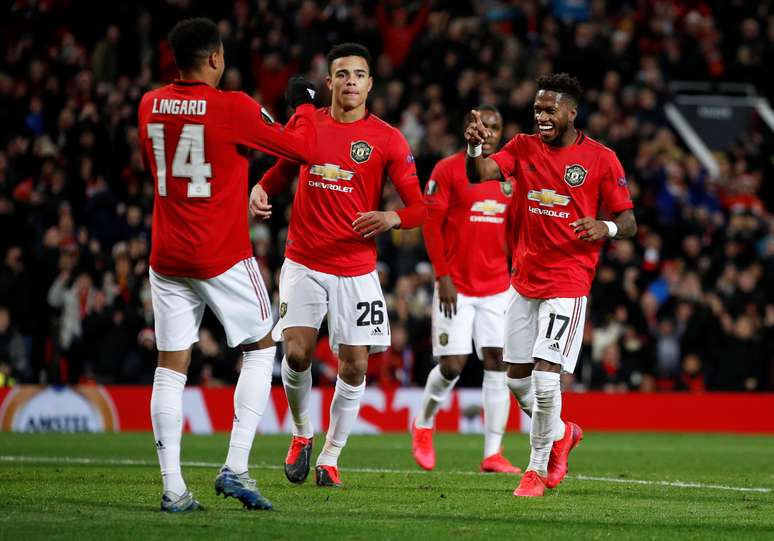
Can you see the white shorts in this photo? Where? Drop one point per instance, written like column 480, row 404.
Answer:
column 238, row 298
column 357, row 313
column 548, row 329
column 478, row 319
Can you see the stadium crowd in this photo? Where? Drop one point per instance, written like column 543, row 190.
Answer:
column 688, row 306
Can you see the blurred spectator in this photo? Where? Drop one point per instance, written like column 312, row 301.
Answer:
column 13, row 355
column 686, row 305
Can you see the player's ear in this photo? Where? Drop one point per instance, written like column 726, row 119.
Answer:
column 370, row 83
column 329, row 82
column 573, row 113
column 214, row 59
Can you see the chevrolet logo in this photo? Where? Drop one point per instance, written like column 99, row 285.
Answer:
column 490, row 207
column 331, row 172
column 548, row 198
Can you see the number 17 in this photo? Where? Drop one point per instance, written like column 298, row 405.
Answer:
column 564, row 319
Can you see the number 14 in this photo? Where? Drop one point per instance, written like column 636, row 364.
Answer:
column 188, row 161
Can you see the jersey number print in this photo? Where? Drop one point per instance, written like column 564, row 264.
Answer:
column 188, row 161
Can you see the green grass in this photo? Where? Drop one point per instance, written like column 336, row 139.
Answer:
column 110, row 501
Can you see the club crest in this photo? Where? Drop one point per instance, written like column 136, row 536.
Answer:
column 574, row 175
column 443, row 339
column 283, row 309
column 360, row 151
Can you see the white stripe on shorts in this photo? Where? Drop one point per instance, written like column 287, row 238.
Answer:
column 256, row 287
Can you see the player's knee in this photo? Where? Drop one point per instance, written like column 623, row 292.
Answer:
column 353, row 371
column 451, row 369
column 493, row 359
column 297, row 356
column 519, row 371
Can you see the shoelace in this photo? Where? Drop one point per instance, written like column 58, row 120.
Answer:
column 247, row 481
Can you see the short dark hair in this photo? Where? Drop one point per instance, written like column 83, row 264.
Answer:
column 562, row 83
column 192, row 40
column 348, row 49
column 483, row 107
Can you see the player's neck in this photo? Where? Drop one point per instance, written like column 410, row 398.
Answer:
column 198, row 75
column 339, row 114
column 568, row 138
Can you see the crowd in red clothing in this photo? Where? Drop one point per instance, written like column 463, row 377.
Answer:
column 687, row 305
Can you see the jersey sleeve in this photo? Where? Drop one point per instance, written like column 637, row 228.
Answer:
column 613, row 187
column 142, row 133
column 403, row 174
column 251, row 126
column 506, row 157
column 437, row 194
column 279, row 176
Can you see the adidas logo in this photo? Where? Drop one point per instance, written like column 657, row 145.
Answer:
column 555, row 347
column 159, row 445
column 311, row 92
column 377, row 332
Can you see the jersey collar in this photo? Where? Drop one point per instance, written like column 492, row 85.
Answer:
column 184, row 82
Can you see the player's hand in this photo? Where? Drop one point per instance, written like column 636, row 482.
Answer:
column 447, row 295
column 259, row 203
column 300, row 91
column 475, row 132
column 369, row 224
column 589, row 229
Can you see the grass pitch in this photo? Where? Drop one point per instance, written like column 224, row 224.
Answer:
column 620, row 486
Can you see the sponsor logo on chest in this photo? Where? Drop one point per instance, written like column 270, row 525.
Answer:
column 488, row 211
column 330, row 173
column 547, row 201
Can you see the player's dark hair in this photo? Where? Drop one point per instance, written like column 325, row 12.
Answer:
column 193, row 40
column 562, row 83
column 348, row 49
column 483, row 107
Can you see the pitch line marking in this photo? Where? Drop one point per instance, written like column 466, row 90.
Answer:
column 264, row 466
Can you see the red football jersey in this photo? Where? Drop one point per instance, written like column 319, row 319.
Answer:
column 193, row 139
column 555, row 187
column 471, row 218
column 345, row 177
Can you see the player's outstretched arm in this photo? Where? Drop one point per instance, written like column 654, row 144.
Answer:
column 254, row 128
column 274, row 181
column 589, row 229
column 477, row 167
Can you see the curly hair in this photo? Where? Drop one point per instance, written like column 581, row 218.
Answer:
column 563, row 83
